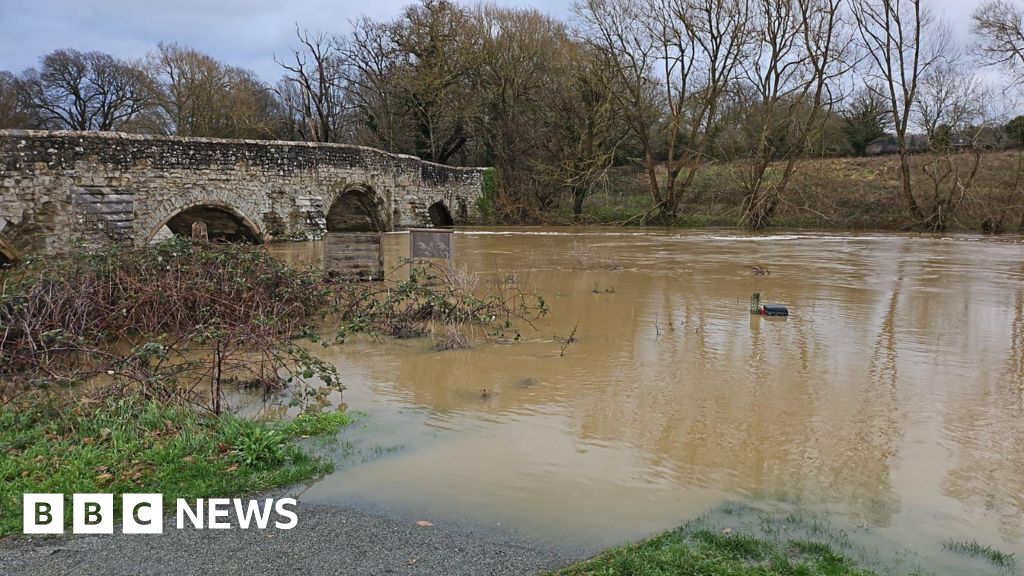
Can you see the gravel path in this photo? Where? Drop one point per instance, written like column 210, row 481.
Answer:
column 329, row 540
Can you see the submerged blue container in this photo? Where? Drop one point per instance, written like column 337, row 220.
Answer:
column 774, row 310
column 766, row 309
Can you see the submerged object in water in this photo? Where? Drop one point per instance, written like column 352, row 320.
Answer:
column 774, row 310
column 766, row 309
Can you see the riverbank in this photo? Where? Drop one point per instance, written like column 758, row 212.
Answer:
column 697, row 548
column 118, row 368
column 857, row 193
column 736, row 539
column 115, row 365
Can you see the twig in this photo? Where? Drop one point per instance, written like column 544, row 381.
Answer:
column 569, row 340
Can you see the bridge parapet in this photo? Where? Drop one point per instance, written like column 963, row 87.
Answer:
column 59, row 189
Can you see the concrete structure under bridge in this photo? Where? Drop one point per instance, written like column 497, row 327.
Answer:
column 63, row 190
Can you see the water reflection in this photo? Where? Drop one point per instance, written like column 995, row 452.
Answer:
column 894, row 394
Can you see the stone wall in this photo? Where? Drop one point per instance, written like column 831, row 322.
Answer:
column 59, row 190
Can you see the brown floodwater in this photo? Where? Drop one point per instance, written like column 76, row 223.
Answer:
column 892, row 398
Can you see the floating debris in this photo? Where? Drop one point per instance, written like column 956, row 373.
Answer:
column 756, row 307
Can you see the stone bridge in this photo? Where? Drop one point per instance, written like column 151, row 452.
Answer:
column 64, row 190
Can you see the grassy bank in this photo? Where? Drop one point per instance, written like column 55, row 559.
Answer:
column 134, row 445
column 115, row 365
column 826, row 193
column 700, row 548
column 738, row 539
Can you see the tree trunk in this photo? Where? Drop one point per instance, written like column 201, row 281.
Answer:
column 760, row 207
column 578, row 196
column 669, row 207
column 908, row 192
column 652, row 178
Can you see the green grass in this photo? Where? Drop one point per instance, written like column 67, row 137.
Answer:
column 701, row 548
column 321, row 424
column 974, row 549
column 136, row 446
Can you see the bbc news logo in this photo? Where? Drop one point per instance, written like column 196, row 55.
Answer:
column 143, row 514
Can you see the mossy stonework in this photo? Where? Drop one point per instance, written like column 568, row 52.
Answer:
column 61, row 189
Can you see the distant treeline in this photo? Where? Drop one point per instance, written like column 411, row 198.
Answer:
column 667, row 86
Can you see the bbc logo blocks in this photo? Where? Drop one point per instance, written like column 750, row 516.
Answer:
column 92, row 513
column 43, row 514
column 142, row 514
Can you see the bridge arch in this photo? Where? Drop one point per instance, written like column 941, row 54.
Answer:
column 440, row 216
column 358, row 208
column 224, row 222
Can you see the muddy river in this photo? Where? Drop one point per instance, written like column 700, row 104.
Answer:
column 892, row 398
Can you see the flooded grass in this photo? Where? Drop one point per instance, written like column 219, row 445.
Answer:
column 741, row 539
column 714, row 547
column 135, row 446
column 318, row 424
column 974, row 549
column 378, row 451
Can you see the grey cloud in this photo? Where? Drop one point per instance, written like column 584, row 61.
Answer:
column 244, row 33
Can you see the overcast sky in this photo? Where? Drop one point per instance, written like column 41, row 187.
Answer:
column 244, row 33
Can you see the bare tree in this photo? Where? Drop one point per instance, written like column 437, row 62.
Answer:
column 250, row 107
column 893, row 33
column 439, row 49
column 85, row 90
column 524, row 67
column 682, row 54
column 951, row 107
column 197, row 95
column 613, row 29
column 190, row 84
column 583, row 130
column 946, row 101
column 999, row 28
column 371, row 62
column 799, row 52
column 312, row 87
column 700, row 43
column 12, row 109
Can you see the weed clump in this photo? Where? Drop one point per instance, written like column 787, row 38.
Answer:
column 975, row 549
column 438, row 302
